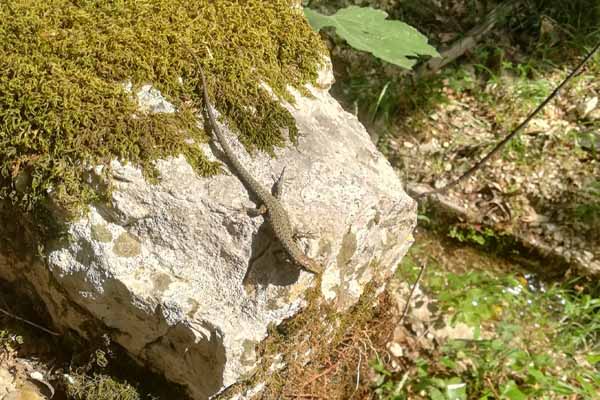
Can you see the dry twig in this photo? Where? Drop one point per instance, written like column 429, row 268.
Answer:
column 11, row 315
column 412, row 291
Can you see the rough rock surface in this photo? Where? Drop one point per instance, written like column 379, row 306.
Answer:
column 182, row 277
column 17, row 377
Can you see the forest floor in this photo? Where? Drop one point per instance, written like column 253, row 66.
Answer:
column 477, row 327
column 507, row 305
column 543, row 191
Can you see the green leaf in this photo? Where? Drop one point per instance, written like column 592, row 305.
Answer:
column 456, row 389
column 537, row 375
column 435, row 393
column 593, row 358
column 449, row 363
column 511, row 391
column 379, row 367
column 367, row 29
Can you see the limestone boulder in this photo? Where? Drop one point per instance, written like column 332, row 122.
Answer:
column 180, row 275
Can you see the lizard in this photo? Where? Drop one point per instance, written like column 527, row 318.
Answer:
column 271, row 207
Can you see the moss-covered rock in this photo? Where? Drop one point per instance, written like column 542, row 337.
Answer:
column 64, row 64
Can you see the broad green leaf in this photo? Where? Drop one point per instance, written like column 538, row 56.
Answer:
column 435, row 393
column 456, row 389
column 368, row 30
column 511, row 391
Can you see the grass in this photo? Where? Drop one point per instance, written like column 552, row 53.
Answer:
column 9, row 343
column 77, row 369
column 576, row 21
column 100, row 387
column 531, row 340
column 589, row 211
column 321, row 350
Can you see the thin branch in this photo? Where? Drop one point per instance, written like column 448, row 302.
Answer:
column 11, row 315
column 469, row 40
column 412, row 291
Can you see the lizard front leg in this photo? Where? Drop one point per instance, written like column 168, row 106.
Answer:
column 277, row 190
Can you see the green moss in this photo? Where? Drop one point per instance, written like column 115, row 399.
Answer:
column 64, row 109
column 306, row 344
column 100, row 387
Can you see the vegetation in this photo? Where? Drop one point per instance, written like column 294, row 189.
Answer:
column 65, row 102
column 66, row 109
column 480, row 237
column 9, row 342
column 530, row 340
column 368, row 30
column 100, row 387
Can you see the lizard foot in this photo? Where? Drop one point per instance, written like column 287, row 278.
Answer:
column 297, row 235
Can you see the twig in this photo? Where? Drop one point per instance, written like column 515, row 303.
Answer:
column 306, row 396
column 469, row 40
column 316, row 377
column 9, row 314
column 401, row 383
column 412, row 291
column 371, row 346
column 357, row 374
column 518, row 129
column 492, row 387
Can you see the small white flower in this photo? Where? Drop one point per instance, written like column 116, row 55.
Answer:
column 514, row 290
column 455, row 386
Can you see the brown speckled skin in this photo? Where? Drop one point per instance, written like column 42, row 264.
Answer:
column 275, row 213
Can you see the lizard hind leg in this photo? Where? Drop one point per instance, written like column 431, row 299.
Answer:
column 255, row 212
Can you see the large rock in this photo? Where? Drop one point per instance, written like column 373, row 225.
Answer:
column 187, row 282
